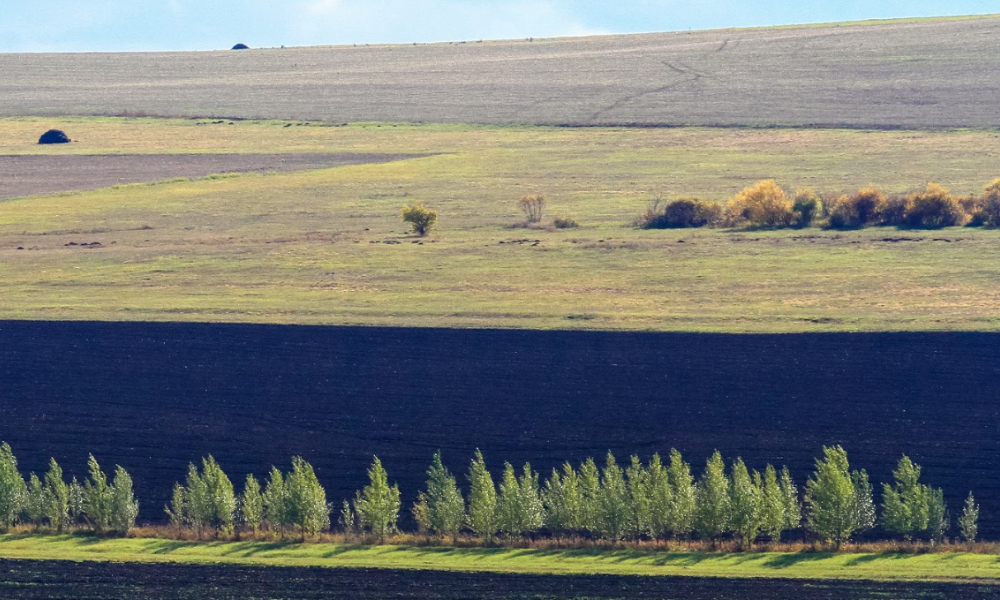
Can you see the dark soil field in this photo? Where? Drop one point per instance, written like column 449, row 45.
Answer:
column 915, row 74
column 22, row 175
column 37, row 580
column 155, row 396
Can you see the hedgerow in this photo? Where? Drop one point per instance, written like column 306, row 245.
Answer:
column 645, row 500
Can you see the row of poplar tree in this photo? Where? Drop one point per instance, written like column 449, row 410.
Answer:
column 652, row 500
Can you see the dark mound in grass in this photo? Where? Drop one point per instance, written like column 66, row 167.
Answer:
column 38, row 580
column 154, row 396
column 54, row 136
column 241, row 47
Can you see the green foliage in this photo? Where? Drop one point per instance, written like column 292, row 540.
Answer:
column 683, row 497
column 206, row 500
column 838, row 500
column 124, row 507
column 638, row 499
column 661, row 496
column 806, row 208
column 519, row 508
column 37, row 506
column 565, row 223
column 377, row 505
column 563, row 500
column 773, row 504
column 347, row 520
column 790, row 495
column 713, row 514
column 276, row 500
column 482, row 517
column 13, row 489
column 97, row 497
column 745, row 505
column 445, row 506
column 968, row 521
column 421, row 218
column 933, row 208
column 57, row 497
column 910, row 508
column 590, row 494
column 252, row 505
column 305, row 498
column 613, row 516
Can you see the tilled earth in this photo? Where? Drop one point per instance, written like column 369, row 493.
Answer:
column 152, row 397
column 44, row 174
column 40, row 580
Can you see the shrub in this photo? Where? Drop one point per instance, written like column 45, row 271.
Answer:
column 421, row 218
column 894, row 212
column 862, row 209
column 533, row 206
column 764, row 204
column 690, row 212
column 991, row 205
column 933, row 208
column 806, row 208
column 565, row 223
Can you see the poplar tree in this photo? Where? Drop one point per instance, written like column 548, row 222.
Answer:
column 57, row 496
column 683, row 499
column 745, row 501
column 774, row 519
column 445, row 506
column 638, row 498
column 563, row 500
column 511, row 521
column 124, row 507
column 275, row 500
column 37, row 505
column 660, row 498
column 790, row 494
column 713, row 510
column 177, row 509
column 613, row 518
column 97, row 498
column 590, row 496
column 347, row 520
column 252, row 505
column 13, row 489
column 306, row 499
column 968, row 521
column 910, row 508
column 377, row 505
column 422, row 514
column 839, row 501
column 530, row 500
column 482, row 517
column 208, row 499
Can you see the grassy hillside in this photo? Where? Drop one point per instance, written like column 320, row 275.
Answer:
column 327, row 247
column 913, row 73
column 880, row 567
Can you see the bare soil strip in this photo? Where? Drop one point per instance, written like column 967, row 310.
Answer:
column 42, row 580
column 46, row 174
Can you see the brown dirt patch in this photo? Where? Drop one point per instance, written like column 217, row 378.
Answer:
column 44, row 174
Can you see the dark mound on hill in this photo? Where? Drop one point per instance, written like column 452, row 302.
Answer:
column 241, row 47
column 152, row 397
column 54, row 136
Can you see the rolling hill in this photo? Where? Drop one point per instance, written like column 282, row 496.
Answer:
column 911, row 74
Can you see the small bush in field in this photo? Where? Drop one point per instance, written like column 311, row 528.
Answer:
column 565, row 223
column 972, row 206
column 689, row 212
column 894, row 212
column 533, row 206
column 860, row 210
column 764, row 204
column 807, row 207
column 991, row 205
column 422, row 219
column 933, row 208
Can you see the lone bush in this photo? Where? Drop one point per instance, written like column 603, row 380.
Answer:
column 565, row 223
column 933, row 208
column 991, row 205
column 691, row 212
column 860, row 210
column 422, row 219
column 764, row 204
column 533, row 206
column 807, row 207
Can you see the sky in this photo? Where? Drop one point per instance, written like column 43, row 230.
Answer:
column 152, row 25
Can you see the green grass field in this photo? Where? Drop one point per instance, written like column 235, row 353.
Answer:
column 881, row 567
column 327, row 247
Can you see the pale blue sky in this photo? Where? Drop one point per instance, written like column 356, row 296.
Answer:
column 115, row 25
